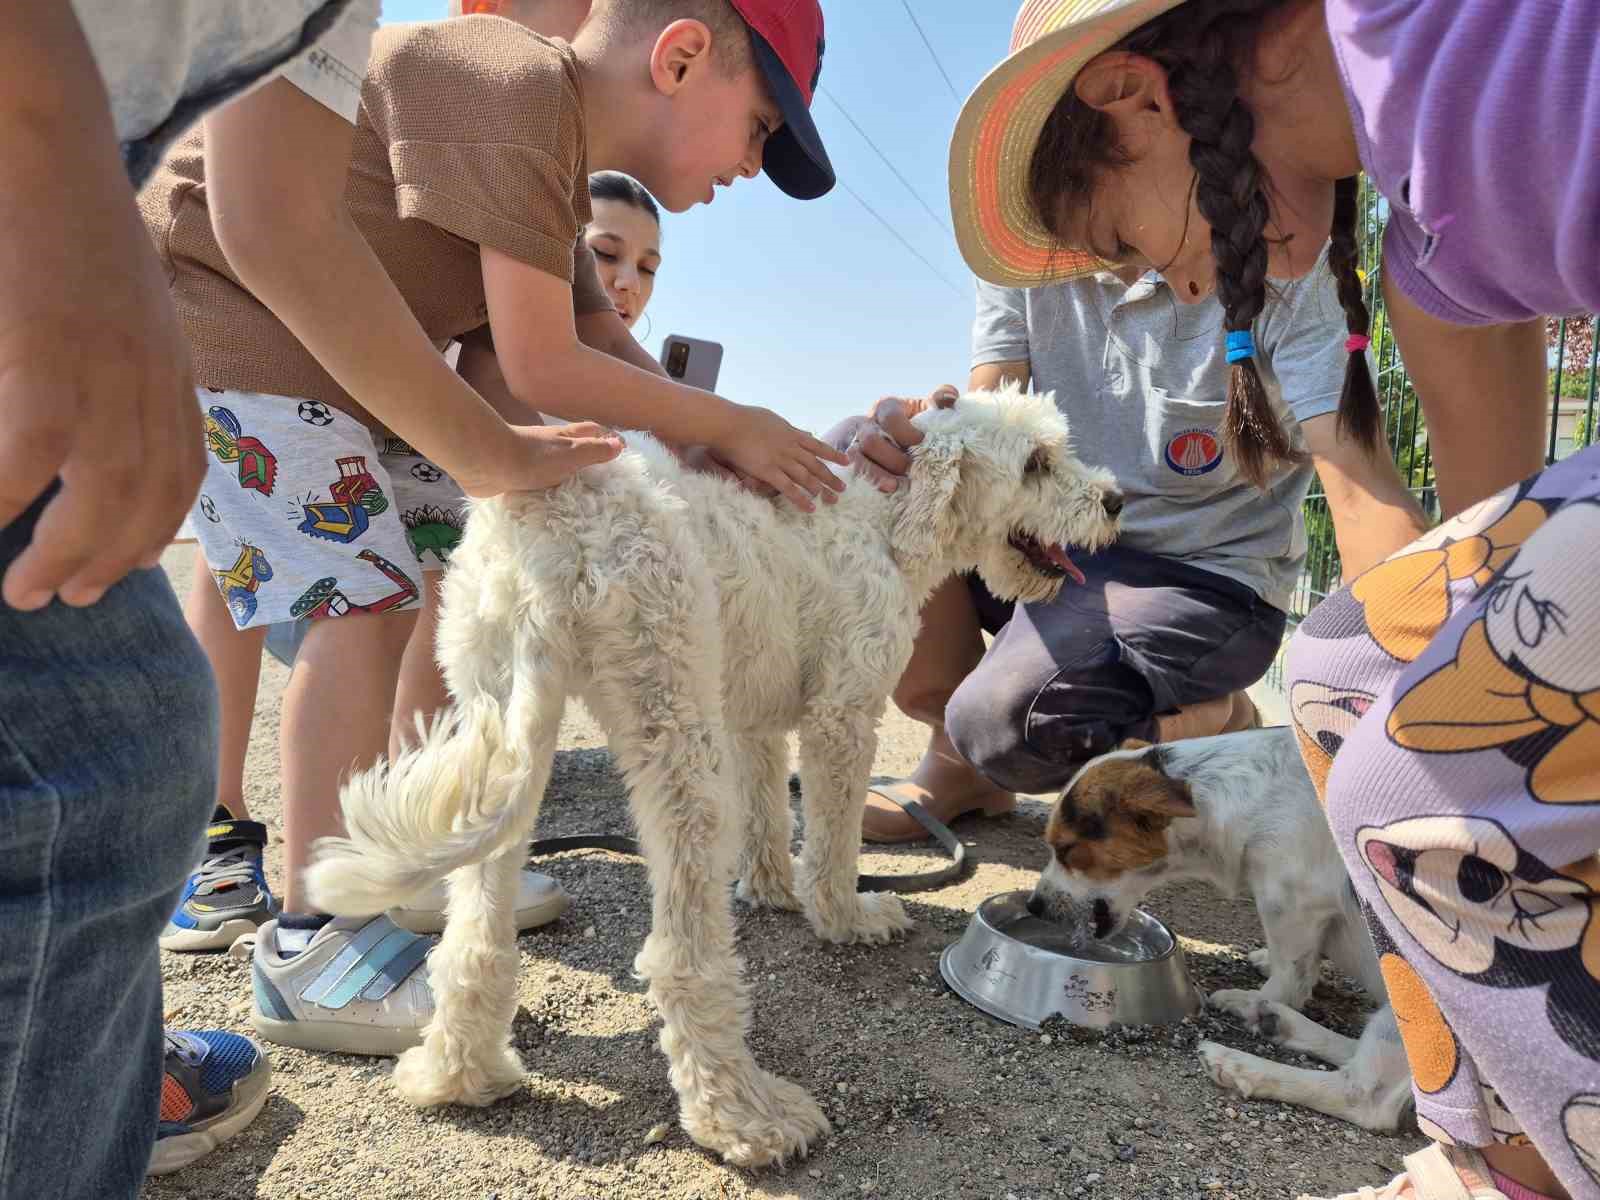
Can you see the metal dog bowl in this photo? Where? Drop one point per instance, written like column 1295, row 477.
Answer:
column 1024, row 970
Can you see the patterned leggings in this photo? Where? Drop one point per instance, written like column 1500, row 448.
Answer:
column 1459, row 684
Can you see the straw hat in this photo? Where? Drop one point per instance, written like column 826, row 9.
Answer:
column 999, row 234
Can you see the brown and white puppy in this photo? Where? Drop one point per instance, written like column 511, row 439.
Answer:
column 1239, row 812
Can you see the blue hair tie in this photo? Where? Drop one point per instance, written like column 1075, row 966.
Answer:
column 1241, row 345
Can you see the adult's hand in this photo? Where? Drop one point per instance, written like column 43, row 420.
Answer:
column 94, row 373
column 877, row 444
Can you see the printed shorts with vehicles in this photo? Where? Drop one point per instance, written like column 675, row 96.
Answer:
column 306, row 512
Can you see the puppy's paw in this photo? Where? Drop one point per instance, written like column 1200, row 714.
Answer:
column 1228, row 1068
column 1250, row 1007
column 1261, row 960
column 756, row 1121
column 428, row 1075
column 764, row 886
column 873, row 917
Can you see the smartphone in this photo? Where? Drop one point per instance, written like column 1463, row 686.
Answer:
column 692, row 361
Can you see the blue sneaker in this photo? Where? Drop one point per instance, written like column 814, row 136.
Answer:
column 227, row 897
column 215, row 1084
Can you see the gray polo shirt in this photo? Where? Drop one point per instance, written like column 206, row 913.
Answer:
column 1143, row 382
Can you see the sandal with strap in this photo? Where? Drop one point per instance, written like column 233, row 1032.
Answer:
column 884, row 826
column 1438, row 1173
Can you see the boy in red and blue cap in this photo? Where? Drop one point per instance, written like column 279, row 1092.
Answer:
column 468, row 180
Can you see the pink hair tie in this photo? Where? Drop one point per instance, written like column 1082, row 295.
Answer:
column 1355, row 342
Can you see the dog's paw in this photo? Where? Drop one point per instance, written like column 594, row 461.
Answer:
column 1250, row 1007
column 1228, row 1068
column 763, row 887
column 427, row 1076
column 758, row 1121
column 872, row 917
column 1261, row 960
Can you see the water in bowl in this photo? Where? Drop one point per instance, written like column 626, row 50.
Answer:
column 1121, row 947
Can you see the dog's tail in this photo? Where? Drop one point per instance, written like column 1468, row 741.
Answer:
column 464, row 794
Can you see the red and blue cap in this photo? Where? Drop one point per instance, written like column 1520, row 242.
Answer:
column 787, row 35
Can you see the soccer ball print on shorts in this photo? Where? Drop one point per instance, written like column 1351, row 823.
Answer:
column 305, row 512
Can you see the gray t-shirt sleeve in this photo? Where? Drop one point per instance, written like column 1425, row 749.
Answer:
column 1302, row 338
column 1000, row 329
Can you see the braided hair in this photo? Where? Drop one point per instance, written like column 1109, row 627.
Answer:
column 1200, row 45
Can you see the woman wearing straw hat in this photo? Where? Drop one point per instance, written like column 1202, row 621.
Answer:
column 1458, row 682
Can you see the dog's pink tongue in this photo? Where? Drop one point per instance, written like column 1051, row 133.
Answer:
column 1059, row 557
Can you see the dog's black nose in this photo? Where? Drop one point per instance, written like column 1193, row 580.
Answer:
column 1036, row 905
column 1112, row 501
column 1102, row 918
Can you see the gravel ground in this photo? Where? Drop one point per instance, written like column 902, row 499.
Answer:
column 928, row 1097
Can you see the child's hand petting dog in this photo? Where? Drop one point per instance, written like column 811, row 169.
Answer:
column 877, row 443
column 540, row 456
column 761, row 446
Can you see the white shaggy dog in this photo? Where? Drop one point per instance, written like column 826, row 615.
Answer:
column 700, row 624
column 1240, row 812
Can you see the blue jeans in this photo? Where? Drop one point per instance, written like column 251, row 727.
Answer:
column 108, row 761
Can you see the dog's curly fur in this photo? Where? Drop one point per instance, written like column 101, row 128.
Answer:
column 700, row 624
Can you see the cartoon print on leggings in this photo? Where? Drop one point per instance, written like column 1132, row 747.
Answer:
column 1323, row 717
column 1525, row 680
column 1401, row 603
column 1580, row 1121
column 1483, row 907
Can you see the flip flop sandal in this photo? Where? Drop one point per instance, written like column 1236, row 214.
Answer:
column 893, row 789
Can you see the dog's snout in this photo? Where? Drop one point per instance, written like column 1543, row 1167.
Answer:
column 1112, row 501
column 1102, row 918
column 1035, row 905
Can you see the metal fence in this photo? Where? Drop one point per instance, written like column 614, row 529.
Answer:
column 1573, row 384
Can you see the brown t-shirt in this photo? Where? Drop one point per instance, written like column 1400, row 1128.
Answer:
column 470, row 134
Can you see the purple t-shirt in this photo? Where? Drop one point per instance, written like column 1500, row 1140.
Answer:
column 1479, row 120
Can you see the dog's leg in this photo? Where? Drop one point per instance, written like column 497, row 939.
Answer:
column 656, row 688
column 761, row 765
column 1371, row 1088
column 466, row 1055
column 1285, row 1027
column 1293, row 958
column 837, row 746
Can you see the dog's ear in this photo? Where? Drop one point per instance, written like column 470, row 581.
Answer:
column 1134, row 744
column 1158, row 794
column 926, row 522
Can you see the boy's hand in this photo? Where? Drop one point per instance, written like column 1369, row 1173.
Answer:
column 541, row 456
column 761, row 445
column 704, row 460
column 94, row 371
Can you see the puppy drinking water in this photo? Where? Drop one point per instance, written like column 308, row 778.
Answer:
column 1239, row 812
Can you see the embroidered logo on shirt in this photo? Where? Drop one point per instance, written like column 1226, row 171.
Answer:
column 1194, row 452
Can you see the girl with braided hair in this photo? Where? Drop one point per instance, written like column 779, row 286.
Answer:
column 1448, row 698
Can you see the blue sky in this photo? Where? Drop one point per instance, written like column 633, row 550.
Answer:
column 819, row 308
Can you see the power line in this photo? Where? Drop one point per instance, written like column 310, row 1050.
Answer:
column 901, row 239
column 915, row 195
column 932, row 53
